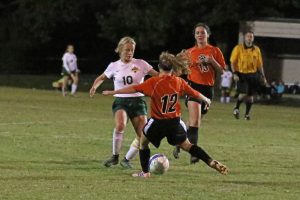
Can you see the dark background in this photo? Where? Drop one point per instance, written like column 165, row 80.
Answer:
column 34, row 33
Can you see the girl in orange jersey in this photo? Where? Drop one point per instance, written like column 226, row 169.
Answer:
column 165, row 121
column 206, row 62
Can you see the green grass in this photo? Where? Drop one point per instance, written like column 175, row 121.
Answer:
column 53, row 147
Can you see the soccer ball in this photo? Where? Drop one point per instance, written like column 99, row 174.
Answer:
column 158, row 164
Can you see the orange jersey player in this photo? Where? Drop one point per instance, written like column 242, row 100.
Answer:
column 165, row 121
column 206, row 61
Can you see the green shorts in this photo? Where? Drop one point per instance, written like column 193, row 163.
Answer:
column 134, row 106
column 64, row 72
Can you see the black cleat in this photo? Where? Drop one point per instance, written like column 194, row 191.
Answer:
column 126, row 164
column 247, row 117
column 114, row 160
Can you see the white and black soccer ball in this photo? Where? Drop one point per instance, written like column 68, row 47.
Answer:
column 158, row 164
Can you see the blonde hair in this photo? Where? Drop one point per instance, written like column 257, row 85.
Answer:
column 122, row 42
column 179, row 63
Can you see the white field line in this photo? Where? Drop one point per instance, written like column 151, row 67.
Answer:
column 46, row 122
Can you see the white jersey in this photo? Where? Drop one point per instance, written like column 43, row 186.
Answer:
column 226, row 79
column 126, row 74
column 70, row 62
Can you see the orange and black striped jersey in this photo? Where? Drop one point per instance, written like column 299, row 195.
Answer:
column 165, row 91
column 204, row 74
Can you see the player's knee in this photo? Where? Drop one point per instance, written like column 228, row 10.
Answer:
column 120, row 127
column 186, row 145
column 194, row 122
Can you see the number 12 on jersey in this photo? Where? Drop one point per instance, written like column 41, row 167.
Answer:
column 166, row 100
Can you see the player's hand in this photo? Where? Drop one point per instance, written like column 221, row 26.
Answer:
column 92, row 91
column 207, row 102
column 236, row 77
column 108, row 92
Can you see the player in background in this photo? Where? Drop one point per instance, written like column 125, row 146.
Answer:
column 226, row 80
column 70, row 70
column 165, row 91
column 247, row 67
column 126, row 71
column 206, row 62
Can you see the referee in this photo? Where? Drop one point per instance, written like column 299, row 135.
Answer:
column 247, row 67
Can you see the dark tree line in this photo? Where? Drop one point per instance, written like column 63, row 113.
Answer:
column 34, row 33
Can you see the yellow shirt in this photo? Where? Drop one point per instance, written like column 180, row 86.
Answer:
column 246, row 60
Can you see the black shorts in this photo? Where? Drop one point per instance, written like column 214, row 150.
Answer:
column 249, row 83
column 205, row 90
column 173, row 129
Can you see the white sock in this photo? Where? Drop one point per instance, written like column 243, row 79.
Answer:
column 74, row 88
column 133, row 150
column 227, row 99
column 222, row 99
column 117, row 142
column 63, row 90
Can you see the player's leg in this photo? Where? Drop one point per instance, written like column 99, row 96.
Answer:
column 194, row 109
column 138, row 125
column 253, row 85
column 137, row 112
column 118, row 132
column 223, row 95
column 144, row 158
column 64, row 85
column 200, row 153
column 153, row 132
column 227, row 95
column 75, row 79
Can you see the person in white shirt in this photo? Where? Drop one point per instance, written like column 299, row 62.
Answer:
column 70, row 70
column 124, row 72
column 226, row 80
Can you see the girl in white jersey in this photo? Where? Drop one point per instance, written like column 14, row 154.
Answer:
column 70, row 70
column 124, row 72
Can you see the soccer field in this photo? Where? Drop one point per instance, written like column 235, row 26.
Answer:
column 53, row 148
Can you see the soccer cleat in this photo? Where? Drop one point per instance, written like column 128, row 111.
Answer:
column 114, row 160
column 141, row 174
column 126, row 164
column 194, row 160
column 219, row 167
column 247, row 117
column 236, row 113
column 176, row 152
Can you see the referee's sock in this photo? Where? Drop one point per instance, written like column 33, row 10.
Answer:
column 198, row 152
column 144, row 159
column 192, row 134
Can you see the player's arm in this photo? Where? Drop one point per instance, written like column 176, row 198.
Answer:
column 215, row 64
column 126, row 90
column 153, row 72
column 98, row 81
column 195, row 94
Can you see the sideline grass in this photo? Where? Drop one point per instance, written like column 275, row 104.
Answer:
column 52, row 148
